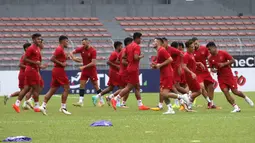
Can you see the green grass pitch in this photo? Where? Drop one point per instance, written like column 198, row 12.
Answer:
column 131, row 125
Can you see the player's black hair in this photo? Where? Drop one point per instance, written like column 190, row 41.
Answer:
column 188, row 43
column 137, row 35
column 36, row 35
column 127, row 41
column 181, row 44
column 174, row 44
column 26, row 45
column 117, row 44
column 84, row 39
column 164, row 39
column 194, row 39
column 62, row 37
column 210, row 44
column 160, row 39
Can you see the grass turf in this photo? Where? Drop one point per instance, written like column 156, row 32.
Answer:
column 131, row 125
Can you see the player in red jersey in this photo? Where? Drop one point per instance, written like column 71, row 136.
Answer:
column 204, row 77
column 183, row 81
column 189, row 66
column 133, row 53
column 89, row 71
column 122, row 74
column 32, row 77
column 220, row 62
column 166, row 75
column 114, row 64
column 21, row 76
column 59, row 77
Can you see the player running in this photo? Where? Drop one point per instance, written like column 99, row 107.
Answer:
column 166, row 75
column 122, row 75
column 204, row 77
column 89, row 71
column 220, row 62
column 21, row 76
column 114, row 64
column 59, row 77
column 133, row 54
column 189, row 66
column 32, row 78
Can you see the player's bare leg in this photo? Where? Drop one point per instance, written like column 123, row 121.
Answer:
column 99, row 96
column 122, row 93
column 139, row 98
column 210, row 92
column 7, row 97
column 64, row 99
column 36, row 97
column 205, row 94
column 192, row 97
column 28, row 100
column 231, row 100
column 241, row 94
column 20, row 97
column 97, row 88
column 82, row 92
column 47, row 97
column 180, row 88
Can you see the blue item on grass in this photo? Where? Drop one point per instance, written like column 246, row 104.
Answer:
column 17, row 139
column 102, row 123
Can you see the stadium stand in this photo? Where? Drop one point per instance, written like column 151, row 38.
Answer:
column 234, row 31
column 15, row 31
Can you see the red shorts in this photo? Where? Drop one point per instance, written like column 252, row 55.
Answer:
column 205, row 78
column 183, row 80
column 41, row 81
column 166, row 83
column 133, row 77
column 229, row 83
column 32, row 76
column 21, row 80
column 113, row 79
column 177, row 77
column 59, row 77
column 123, row 80
column 92, row 75
column 192, row 83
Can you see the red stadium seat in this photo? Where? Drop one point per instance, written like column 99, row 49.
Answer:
column 241, row 34
column 94, row 18
column 217, row 17
column 145, row 18
column 167, row 23
column 173, row 18
column 224, row 28
column 191, row 18
column 128, row 18
column 226, row 17
column 171, row 29
column 154, row 18
column 238, row 23
column 149, row 23
column 216, row 28
column 145, row 29
column 119, row 18
column 163, row 18
column 158, row 23
column 182, row 18
column 137, row 18
column 208, row 17
column 203, row 23
column 200, row 18
column 247, row 22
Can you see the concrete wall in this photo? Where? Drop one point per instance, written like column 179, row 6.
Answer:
column 64, row 8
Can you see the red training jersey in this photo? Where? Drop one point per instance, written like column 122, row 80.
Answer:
column 114, row 58
column 176, row 55
column 33, row 53
column 163, row 55
column 221, row 57
column 60, row 55
column 87, row 56
column 21, row 61
column 189, row 60
column 132, row 50
column 201, row 55
column 123, row 68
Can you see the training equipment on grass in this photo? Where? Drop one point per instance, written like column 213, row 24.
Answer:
column 101, row 123
column 17, row 139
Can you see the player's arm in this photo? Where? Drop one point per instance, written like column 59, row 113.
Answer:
column 201, row 65
column 92, row 63
column 21, row 65
column 54, row 60
column 31, row 61
column 168, row 61
column 137, row 55
column 76, row 59
column 185, row 68
column 112, row 64
column 229, row 58
column 124, row 59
